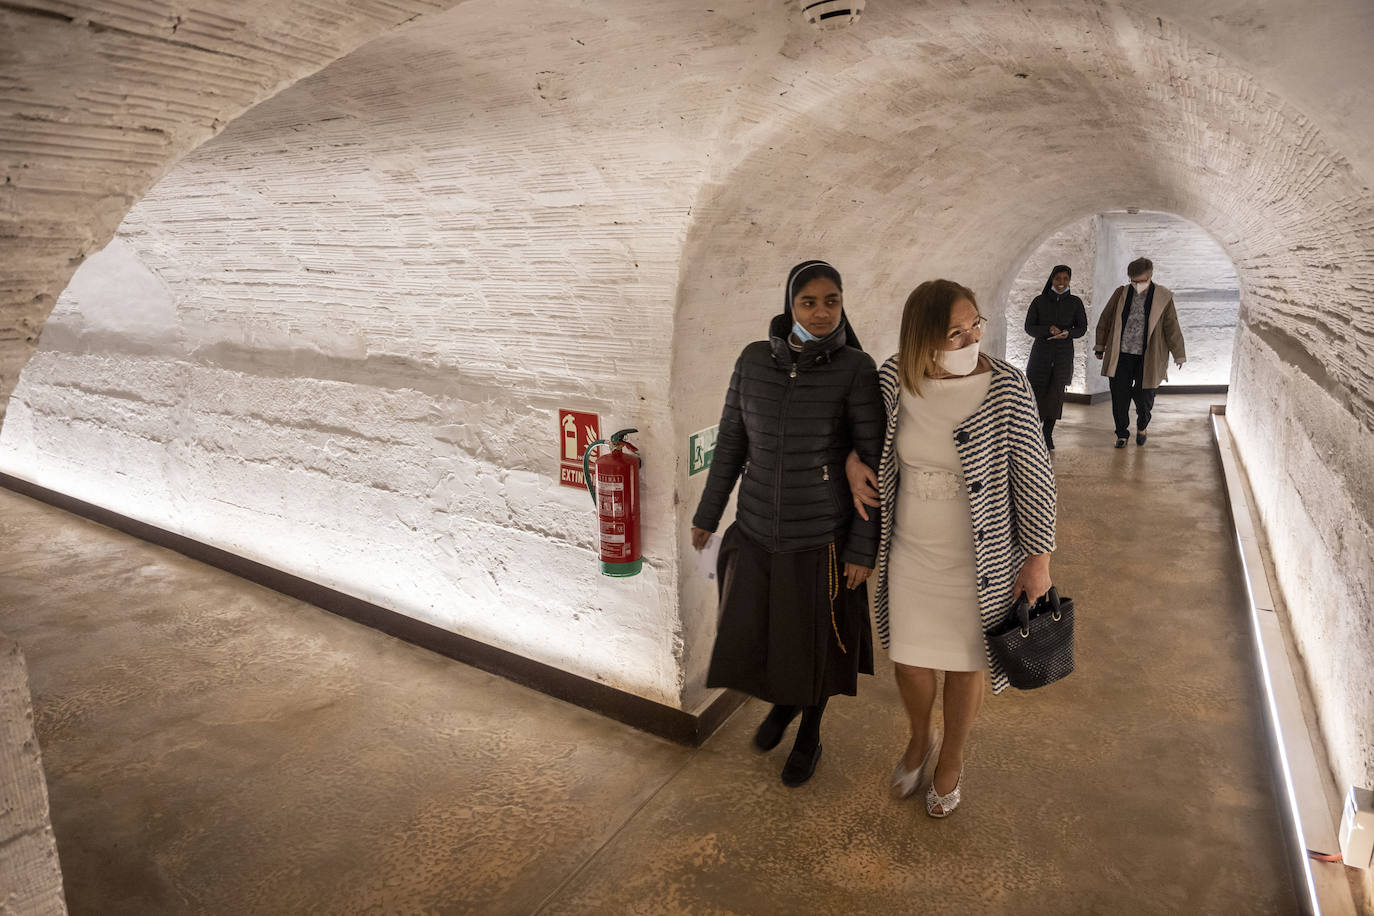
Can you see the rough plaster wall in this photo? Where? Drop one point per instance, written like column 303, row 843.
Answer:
column 30, row 875
column 1076, row 246
column 98, row 99
column 366, row 301
column 1311, row 467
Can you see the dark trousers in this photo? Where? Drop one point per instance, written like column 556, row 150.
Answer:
column 1126, row 387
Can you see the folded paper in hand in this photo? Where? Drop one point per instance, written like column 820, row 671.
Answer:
column 706, row 557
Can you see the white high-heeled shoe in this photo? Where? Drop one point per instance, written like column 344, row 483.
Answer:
column 946, row 803
column 905, row 782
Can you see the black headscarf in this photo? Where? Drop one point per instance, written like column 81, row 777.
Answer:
column 803, row 274
column 1049, row 283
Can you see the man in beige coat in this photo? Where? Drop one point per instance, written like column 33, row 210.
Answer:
column 1136, row 333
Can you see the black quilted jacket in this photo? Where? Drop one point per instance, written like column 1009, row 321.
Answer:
column 790, row 421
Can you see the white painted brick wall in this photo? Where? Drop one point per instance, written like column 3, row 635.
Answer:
column 99, row 98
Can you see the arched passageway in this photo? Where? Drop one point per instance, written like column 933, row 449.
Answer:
column 1097, row 249
column 336, row 336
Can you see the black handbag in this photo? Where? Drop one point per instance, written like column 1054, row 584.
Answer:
column 1035, row 644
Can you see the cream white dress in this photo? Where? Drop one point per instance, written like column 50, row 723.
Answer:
column 933, row 587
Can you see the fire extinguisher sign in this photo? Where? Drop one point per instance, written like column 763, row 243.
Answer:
column 576, row 430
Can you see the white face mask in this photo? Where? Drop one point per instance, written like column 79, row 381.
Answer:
column 958, row 362
column 1142, row 286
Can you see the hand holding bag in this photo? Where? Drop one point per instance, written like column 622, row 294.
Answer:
column 1035, row 644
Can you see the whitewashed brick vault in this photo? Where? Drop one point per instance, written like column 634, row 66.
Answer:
column 342, row 263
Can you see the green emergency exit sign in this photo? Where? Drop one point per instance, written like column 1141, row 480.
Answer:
column 701, row 447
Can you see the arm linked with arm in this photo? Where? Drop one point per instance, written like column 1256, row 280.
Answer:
column 867, row 426
column 732, row 447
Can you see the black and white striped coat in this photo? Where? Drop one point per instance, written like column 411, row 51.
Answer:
column 1010, row 488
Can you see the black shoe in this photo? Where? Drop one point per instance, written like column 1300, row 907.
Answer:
column 1120, row 443
column 774, row 724
column 1139, row 438
column 801, row 763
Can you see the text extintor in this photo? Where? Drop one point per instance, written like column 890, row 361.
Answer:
column 577, row 429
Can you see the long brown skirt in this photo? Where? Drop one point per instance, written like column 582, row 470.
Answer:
column 777, row 638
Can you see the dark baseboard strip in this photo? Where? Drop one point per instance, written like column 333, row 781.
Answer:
column 1194, row 389
column 1098, row 397
column 648, row 715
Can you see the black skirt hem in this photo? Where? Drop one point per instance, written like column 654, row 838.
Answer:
column 784, row 618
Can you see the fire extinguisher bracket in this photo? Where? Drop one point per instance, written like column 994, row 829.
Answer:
column 614, row 488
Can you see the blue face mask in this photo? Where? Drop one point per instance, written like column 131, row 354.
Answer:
column 802, row 333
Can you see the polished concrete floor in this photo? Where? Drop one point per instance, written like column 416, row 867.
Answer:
column 214, row 747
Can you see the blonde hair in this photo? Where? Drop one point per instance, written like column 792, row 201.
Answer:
column 925, row 324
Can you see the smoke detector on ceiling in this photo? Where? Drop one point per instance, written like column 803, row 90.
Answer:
column 831, row 14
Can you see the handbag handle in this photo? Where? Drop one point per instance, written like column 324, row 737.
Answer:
column 1022, row 608
column 1022, row 611
column 1053, row 596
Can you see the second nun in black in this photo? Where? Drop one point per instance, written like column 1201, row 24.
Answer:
column 1056, row 318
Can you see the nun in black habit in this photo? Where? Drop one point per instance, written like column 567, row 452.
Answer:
column 1056, row 319
column 794, row 627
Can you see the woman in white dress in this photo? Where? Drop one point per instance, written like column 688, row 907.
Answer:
column 968, row 523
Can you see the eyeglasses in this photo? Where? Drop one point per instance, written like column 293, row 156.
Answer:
column 964, row 338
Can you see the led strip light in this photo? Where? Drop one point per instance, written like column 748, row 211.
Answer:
column 1328, row 891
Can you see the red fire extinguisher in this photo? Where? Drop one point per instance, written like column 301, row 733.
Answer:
column 615, row 491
